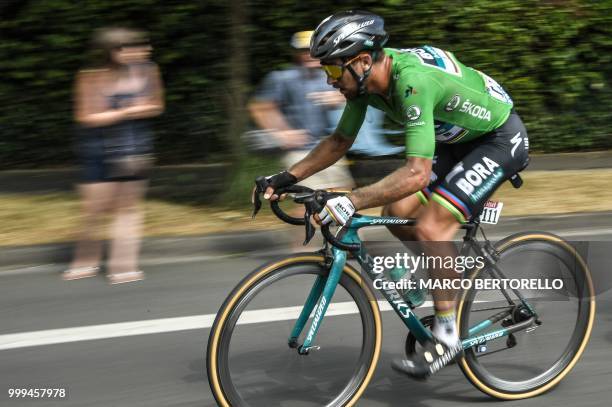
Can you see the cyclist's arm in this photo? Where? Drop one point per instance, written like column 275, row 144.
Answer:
column 334, row 147
column 402, row 182
column 326, row 153
column 418, row 105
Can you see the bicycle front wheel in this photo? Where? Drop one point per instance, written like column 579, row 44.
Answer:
column 249, row 360
column 533, row 359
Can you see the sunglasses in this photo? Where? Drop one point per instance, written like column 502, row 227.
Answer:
column 336, row 71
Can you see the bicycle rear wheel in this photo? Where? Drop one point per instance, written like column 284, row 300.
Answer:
column 530, row 361
column 249, row 361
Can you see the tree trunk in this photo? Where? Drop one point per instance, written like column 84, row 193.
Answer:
column 238, row 76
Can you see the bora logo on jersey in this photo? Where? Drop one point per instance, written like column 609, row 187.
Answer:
column 478, row 180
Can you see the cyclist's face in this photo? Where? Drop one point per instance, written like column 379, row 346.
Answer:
column 342, row 79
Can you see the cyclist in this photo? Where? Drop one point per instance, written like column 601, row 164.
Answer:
column 463, row 140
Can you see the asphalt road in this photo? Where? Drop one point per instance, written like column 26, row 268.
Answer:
column 143, row 344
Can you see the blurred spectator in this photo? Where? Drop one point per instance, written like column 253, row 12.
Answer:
column 371, row 156
column 115, row 98
column 371, row 141
column 293, row 106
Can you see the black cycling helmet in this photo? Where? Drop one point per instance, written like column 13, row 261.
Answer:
column 347, row 33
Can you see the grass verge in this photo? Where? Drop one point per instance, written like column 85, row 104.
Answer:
column 47, row 218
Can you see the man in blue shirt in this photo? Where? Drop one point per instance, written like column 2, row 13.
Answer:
column 293, row 105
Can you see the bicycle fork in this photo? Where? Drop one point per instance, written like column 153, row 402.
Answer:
column 320, row 295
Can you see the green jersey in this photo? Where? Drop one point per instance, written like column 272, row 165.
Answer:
column 436, row 98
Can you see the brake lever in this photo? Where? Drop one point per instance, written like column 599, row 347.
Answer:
column 313, row 205
column 260, row 187
column 256, row 204
column 310, row 230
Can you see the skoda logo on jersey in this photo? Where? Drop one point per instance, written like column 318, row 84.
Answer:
column 476, row 111
column 453, row 103
column 413, row 112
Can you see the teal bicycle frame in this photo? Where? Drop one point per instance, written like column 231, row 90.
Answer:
column 324, row 287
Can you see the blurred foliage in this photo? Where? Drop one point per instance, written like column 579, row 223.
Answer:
column 44, row 43
column 552, row 56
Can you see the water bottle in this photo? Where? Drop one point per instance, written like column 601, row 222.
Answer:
column 415, row 297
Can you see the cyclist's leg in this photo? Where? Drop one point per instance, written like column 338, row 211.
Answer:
column 409, row 207
column 486, row 164
column 435, row 229
column 414, row 205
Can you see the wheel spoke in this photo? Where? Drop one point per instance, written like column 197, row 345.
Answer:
column 255, row 365
column 530, row 361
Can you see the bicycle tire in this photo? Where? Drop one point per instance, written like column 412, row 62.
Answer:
column 220, row 380
column 493, row 386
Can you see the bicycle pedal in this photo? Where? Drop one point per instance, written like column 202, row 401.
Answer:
column 428, row 357
column 531, row 328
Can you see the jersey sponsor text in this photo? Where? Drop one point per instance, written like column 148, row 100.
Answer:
column 475, row 111
column 475, row 176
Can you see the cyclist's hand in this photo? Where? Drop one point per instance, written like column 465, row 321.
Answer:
column 338, row 210
column 280, row 180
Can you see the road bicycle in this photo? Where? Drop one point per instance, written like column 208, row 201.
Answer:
column 518, row 343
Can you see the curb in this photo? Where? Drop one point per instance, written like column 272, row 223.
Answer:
column 160, row 248
column 153, row 248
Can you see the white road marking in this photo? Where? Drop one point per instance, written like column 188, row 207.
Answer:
column 153, row 326
column 146, row 327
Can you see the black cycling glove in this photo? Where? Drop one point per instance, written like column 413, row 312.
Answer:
column 281, row 180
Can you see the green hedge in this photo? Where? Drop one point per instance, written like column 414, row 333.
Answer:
column 552, row 56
